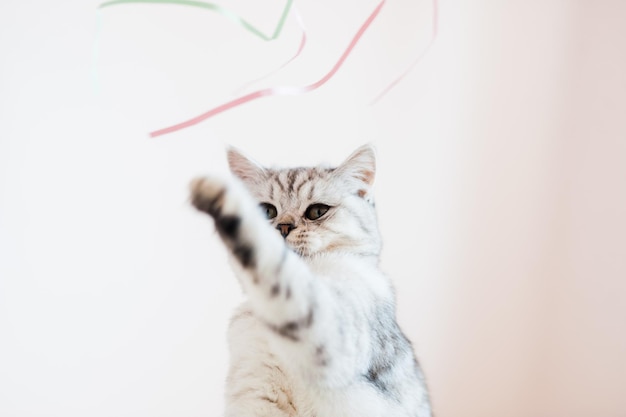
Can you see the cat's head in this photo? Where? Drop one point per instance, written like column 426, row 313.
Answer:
column 317, row 209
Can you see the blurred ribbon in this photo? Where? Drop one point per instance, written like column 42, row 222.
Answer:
column 218, row 9
column 210, row 6
column 289, row 90
column 95, row 50
column 416, row 60
column 300, row 48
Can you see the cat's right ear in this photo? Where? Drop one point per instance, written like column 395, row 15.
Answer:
column 244, row 167
column 360, row 170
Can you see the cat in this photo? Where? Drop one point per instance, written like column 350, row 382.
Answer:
column 317, row 335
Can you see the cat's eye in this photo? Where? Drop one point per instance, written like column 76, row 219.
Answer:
column 315, row 211
column 269, row 210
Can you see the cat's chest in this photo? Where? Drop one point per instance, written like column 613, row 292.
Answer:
column 351, row 398
column 358, row 399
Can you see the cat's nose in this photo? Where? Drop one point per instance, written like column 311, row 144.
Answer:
column 285, row 228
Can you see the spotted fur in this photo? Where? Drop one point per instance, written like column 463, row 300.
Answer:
column 317, row 336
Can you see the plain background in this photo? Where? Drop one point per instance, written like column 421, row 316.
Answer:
column 501, row 192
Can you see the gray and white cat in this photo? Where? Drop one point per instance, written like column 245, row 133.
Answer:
column 317, row 336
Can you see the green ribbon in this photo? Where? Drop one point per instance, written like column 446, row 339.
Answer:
column 218, row 9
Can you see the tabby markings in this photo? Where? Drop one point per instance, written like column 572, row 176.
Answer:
column 227, row 226
column 291, row 329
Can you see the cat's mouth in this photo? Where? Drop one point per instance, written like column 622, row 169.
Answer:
column 299, row 249
column 306, row 243
column 309, row 248
column 302, row 247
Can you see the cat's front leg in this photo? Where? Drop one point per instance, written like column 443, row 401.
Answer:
column 319, row 327
column 276, row 281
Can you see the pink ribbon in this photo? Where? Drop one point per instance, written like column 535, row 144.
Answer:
column 416, row 60
column 298, row 52
column 274, row 91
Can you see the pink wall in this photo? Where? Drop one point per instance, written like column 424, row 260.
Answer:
column 535, row 302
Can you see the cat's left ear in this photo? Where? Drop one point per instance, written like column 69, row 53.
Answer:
column 360, row 169
column 244, row 167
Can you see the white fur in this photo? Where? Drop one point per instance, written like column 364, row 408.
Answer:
column 310, row 339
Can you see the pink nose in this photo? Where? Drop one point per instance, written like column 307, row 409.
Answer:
column 285, row 228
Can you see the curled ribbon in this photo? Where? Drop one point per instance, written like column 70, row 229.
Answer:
column 288, row 90
column 300, row 48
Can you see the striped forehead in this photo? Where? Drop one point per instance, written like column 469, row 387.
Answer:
column 296, row 182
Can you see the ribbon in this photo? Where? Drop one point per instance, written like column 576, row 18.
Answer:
column 218, row 9
column 416, row 60
column 300, row 48
column 274, row 91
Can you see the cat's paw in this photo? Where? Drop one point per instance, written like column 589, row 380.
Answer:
column 207, row 195
column 229, row 205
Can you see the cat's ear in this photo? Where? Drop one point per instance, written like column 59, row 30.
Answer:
column 244, row 167
column 360, row 168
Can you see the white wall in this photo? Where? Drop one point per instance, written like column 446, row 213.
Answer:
column 502, row 164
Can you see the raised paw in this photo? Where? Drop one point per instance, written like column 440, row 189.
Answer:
column 207, row 195
column 224, row 201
